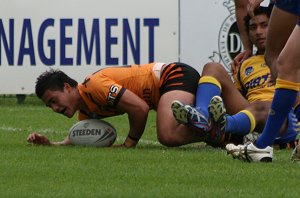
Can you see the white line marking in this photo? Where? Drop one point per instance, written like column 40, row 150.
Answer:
column 49, row 131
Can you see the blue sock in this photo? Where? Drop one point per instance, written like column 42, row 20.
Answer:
column 241, row 123
column 291, row 132
column 297, row 112
column 282, row 103
column 207, row 88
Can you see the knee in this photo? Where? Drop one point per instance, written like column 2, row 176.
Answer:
column 214, row 69
column 283, row 68
column 167, row 139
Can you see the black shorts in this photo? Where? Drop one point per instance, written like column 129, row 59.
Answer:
column 179, row 76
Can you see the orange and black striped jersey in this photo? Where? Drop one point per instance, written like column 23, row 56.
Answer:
column 102, row 90
column 252, row 79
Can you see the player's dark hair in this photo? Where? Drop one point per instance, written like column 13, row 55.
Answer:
column 52, row 80
column 258, row 11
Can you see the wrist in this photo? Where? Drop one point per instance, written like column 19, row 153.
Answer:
column 133, row 138
column 131, row 141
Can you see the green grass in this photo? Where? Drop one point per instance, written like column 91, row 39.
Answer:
column 150, row 170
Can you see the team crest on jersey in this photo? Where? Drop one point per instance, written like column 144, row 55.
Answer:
column 229, row 42
column 248, row 70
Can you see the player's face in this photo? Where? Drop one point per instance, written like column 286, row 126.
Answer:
column 258, row 27
column 61, row 101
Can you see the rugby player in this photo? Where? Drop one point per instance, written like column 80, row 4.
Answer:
column 133, row 89
column 252, row 80
column 283, row 56
column 241, row 10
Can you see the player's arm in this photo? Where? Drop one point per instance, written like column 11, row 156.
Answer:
column 137, row 110
column 242, row 11
column 252, row 5
column 36, row 138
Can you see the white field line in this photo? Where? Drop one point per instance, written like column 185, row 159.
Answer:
column 49, row 131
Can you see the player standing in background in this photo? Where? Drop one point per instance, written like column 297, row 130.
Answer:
column 283, row 57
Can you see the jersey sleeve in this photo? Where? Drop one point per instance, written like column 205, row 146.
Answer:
column 102, row 90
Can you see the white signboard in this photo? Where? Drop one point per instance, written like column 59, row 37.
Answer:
column 80, row 37
column 208, row 32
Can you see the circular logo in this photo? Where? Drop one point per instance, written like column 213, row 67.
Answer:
column 229, row 41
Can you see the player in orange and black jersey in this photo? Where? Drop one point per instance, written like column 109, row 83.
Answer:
column 133, row 90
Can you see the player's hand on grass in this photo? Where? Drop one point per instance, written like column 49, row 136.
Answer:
column 37, row 138
column 122, row 146
column 118, row 146
column 129, row 143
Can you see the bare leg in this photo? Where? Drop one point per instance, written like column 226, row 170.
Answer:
column 281, row 25
column 233, row 100
column 169, row 132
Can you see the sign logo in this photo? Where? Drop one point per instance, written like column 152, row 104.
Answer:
column 229, row 42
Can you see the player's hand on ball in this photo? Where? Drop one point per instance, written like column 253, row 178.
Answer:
column 37, row 138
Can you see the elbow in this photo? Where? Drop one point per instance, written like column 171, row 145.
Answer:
column 145, row 109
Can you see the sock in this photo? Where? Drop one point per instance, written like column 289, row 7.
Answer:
column 241, row 123
column 297, row 111
column 207, row 88
column 284, row 99
column 291, row 132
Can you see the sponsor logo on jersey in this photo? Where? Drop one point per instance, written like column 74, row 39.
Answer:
column 112, row 94
column 260, row 81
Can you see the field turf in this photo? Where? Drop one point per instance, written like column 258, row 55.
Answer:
column 149, row 170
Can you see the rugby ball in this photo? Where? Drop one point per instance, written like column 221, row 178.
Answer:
column 92, row 132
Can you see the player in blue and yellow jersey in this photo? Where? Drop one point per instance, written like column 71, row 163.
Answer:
column 241, row 10
column 283, row 56
column 253, row 77
column 249, row 109
column 133, row 90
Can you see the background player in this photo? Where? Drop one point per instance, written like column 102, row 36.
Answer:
column 283, row 56
column 253, row 82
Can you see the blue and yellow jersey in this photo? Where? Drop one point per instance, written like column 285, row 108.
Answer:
column 252, row 79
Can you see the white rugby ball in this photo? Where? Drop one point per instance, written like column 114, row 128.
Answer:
column 92, row 132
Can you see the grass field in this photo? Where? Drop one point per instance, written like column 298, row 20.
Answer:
column 149, row 170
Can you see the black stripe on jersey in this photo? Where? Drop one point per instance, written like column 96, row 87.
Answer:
column 243, row 91
column 120, row 94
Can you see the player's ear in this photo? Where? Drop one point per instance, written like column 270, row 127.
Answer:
column 68, row 87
